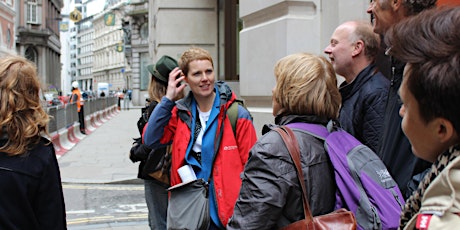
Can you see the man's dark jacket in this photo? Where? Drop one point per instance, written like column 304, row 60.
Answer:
column 395, row 149
column 363, row 106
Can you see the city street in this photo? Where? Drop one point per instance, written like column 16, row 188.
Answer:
column 98, row 205
column 101, row 189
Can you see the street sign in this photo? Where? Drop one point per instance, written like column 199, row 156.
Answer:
column 109, row 19
column 64, row 26
column 75, row 15
column 120, row 47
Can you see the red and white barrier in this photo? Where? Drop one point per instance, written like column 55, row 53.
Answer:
column 66, row 138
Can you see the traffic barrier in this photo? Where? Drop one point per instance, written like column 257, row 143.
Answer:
column 94, row 122
column 89, row 125
column 58, row 148
column 104, row 116
column 113, row 111
column 66, row 138
column 74, row 133
column 99, row 118
column 77, row 133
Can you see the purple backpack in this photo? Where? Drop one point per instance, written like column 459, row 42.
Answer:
column 364, row 185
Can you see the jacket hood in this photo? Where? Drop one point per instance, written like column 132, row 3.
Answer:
column 286, row 119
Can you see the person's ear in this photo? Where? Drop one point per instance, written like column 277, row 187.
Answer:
column 445, row 131
column 358, row 48
column 395, row 4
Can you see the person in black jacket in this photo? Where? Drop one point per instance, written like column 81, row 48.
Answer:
column 352, row 51
column 31, row 194
column 156, row 195
column 395, row 149
column 270, row 196
column 430, row 93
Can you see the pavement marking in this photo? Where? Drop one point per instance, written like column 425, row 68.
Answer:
column 127, row 208
column 81, row 211
column 98, row 219
column 106, row 187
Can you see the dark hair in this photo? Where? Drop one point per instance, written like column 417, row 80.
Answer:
column 414, row 7
column 430, row 43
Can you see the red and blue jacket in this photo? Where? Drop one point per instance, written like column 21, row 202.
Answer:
column 173, row 123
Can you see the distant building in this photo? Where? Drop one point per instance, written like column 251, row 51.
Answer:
column 110, row 63
column 7, row 30
column 37, row 33
column 84, row 54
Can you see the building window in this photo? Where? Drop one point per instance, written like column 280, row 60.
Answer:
column 33, row 12
column 144, row 31
column 31, row 55
column 145, row 76
column 8, row 38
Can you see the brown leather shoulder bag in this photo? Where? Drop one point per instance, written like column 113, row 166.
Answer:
column 340, row 219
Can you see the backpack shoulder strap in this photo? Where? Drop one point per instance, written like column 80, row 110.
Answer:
column 315, row 130
column 232, row 113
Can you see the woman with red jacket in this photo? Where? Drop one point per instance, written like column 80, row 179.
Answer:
column 192, row 125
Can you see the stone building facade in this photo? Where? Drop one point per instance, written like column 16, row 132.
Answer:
column 37, row 37
column 109, row 62
column 7, row 30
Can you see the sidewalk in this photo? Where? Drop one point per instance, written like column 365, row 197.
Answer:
column 103, row 155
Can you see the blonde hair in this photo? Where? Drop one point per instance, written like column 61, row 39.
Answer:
column 307, row 85
column 158, row 89
column 22, row 118
column 193, row 54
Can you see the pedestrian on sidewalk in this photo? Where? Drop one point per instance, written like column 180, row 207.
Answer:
column 30, row 182
column 192, row 125
column 77, row 98
column 156, row 183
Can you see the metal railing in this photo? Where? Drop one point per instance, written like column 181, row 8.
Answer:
column 64, row 116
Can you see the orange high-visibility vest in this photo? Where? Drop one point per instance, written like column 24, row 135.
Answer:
column 78, row 100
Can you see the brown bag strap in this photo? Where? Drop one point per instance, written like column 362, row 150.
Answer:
column 293, row 148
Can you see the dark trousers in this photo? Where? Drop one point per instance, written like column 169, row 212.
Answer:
column 81, row 119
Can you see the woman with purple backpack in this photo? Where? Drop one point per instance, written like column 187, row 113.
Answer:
column 270, row 196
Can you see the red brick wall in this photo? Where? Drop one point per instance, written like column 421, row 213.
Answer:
column 449, row 2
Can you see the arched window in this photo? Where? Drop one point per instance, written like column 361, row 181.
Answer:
column 31, row 55
column 144, row 31
column 8, row 38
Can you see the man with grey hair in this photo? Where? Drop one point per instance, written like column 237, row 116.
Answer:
column 352, row 50
column 395, row 149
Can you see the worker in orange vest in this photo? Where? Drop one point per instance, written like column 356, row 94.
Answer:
column 76, row 98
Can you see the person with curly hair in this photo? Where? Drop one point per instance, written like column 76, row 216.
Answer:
column 30, row 182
